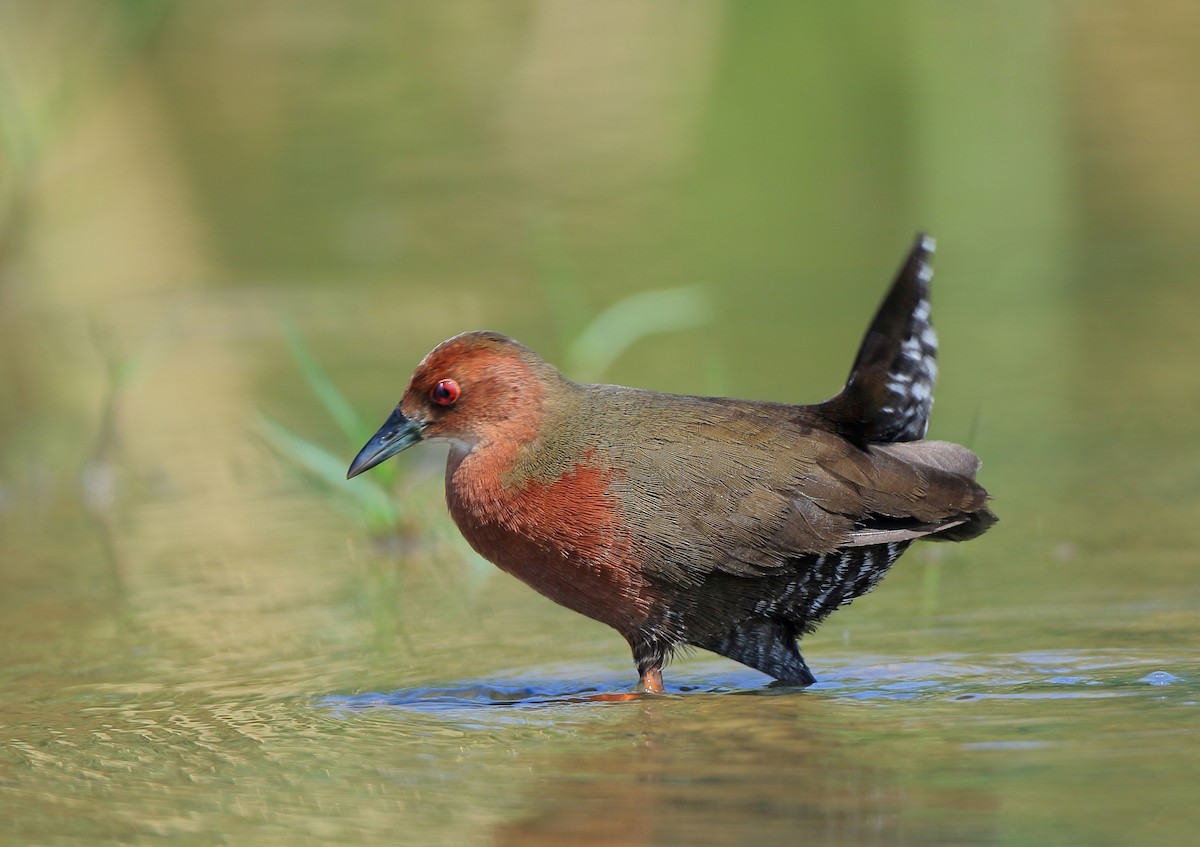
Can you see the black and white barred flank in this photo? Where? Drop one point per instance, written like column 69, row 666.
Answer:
column 767, row 641
column 830, row 581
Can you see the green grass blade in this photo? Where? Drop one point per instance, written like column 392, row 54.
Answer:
column 322, row 386
column 377, row 507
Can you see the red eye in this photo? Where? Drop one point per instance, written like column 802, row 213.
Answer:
column 445, row 393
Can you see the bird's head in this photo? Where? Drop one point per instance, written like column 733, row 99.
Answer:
column 476, row 388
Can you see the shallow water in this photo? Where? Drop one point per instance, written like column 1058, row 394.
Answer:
column 200, row 641
column 1041, row 747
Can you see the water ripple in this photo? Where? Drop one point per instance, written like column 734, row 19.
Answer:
column 1028, row 676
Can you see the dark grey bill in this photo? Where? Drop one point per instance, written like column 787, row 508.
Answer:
column 396, row 434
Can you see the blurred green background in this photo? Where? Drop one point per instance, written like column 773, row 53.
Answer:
column 212, row 212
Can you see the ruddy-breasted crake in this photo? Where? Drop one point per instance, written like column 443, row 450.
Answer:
column 731, row 525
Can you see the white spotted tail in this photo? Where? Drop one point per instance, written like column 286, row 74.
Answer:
column 889, row 393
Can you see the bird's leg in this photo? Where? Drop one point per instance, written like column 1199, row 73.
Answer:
column 650, row 658
column 650, row 681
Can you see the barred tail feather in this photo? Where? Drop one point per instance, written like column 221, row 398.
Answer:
column 889, row 393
